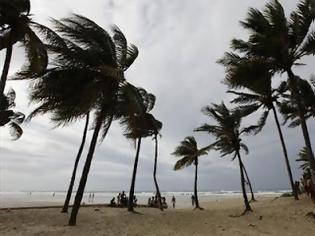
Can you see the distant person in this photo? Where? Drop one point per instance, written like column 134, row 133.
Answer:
column 135, row 200
column 112, row 202
column 54, row 194
column 297, row 187
column 173, row 201
column 92, row 197
column 311, row 190
column 149, row 201
column 123, row 199
column 164, row 204
column 118, row 199
column 193, row 200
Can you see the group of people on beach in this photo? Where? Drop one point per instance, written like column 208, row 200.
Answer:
column 91, row 197
column 122, row 200
column 154, row 202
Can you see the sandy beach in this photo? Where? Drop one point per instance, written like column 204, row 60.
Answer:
column 271, row 216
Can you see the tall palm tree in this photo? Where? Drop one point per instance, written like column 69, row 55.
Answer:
column 138, row 126
column 87, row 76
column 253, row 199
column 189, row 153
column 157, row 125
column 227, row 133
column 254, row 76
column 76, row 163
column 16, row 26
column 282, row 43
column 9, row 117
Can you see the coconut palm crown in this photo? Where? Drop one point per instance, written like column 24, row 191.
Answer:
column 227, row 134
column 189, row 153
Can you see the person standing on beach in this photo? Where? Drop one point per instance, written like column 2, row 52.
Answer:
column 173, row 201
column 192, row 200
column 118, row 199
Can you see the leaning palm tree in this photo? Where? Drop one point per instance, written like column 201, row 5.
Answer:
column 253, row 199
column 16, row 26
column 9, row 117
column 157, row 125
column 228, row 137
column 282, row 43
column 86, row 76
column 254, row 76
column 189, row 153
column 138, row 126
column 75, row 167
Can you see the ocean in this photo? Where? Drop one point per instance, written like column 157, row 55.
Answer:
column 49, row 198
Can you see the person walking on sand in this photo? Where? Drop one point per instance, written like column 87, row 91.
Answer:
column 173, row 201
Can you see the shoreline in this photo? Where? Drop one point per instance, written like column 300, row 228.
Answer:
column 38, row 199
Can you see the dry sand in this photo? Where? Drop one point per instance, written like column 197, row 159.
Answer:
column 283, row 216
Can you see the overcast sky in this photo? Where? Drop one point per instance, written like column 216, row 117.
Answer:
column 179, row 42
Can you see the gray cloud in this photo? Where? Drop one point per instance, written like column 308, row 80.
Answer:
column 179, row 42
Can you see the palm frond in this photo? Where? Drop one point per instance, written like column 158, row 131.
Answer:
column 36, row 54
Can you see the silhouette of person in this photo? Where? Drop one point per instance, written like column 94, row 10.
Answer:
column 193, row 200
column 173, row 201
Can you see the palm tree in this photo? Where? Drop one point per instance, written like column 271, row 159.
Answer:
column 228, row 137
column 157, row 125
column 253, row 199
column 76, row 163
column 87, row 76
column 16, row 26
column 282, row 43
column 138, row 126
column 189, row 152
column 9, row 117
column 254, row 76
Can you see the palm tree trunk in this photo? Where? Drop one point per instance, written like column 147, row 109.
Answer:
column 86, row 169
column 158, row 193
column 5, row 69
column 303, row 122
column 195, row 185
column 284, row 148
column 249, row 184
column 246, row 202
column 67, row 201
column 133, row 180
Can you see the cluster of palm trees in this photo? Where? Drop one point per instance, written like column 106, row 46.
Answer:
column 276, row 44
column 76, row 71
